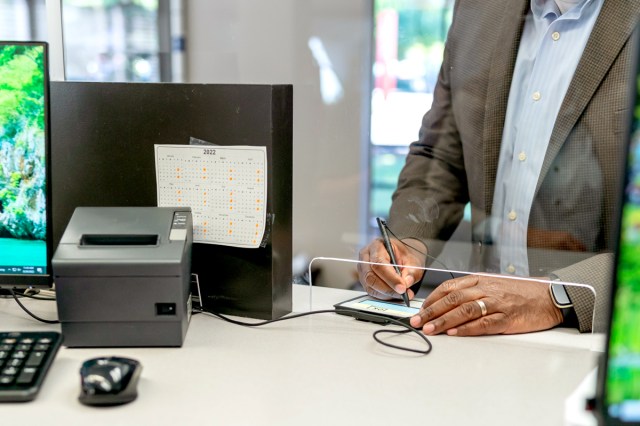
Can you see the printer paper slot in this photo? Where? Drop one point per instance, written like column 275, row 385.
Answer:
column 119, row 240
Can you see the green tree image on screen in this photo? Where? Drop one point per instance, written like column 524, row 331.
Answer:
column 22, row 149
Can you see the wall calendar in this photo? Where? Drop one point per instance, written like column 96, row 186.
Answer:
column 225, row 186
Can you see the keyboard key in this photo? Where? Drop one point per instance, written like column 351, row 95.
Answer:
column 35, row 359
column 19, row 354
column 6, row 380
column 27, row 375
column 10, row 371
column 14, row 362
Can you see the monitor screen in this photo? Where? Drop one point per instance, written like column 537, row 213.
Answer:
column 25, row 211
column 621, row 379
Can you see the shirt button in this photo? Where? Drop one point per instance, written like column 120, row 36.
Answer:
column 522, row 156
column 512, row 215
column 511, row 269
column 555, row 36
column 536, row 96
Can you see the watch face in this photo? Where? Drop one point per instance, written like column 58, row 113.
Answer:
column 560, row 296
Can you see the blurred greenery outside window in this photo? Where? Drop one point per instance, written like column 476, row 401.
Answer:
column 23, row 20
column 409, row 38
column 112, row 40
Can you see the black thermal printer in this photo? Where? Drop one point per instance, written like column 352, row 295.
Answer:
column 122, row 276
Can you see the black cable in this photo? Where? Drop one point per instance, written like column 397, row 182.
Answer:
column 32, row 315
column 408, row 328
column 402, row 348
column 35, row 297
column 265, row 322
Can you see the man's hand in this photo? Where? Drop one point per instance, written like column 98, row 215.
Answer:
column 382, row 281
column 511, row 306
column 553, row 240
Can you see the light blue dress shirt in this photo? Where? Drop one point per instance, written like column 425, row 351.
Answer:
column 550, row 49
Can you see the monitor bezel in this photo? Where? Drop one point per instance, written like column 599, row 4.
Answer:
column 38, row 281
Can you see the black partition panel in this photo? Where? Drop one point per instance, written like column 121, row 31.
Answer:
column 103, row 137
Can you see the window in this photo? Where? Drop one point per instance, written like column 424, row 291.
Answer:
column 116, row 40
column 409, row 38
column 23, row 20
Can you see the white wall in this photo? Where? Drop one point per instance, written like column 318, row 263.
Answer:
column 257, row 41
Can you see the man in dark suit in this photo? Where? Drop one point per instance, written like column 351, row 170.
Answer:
column 528, row 127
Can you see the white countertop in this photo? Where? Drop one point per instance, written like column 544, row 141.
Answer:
column 317, row 370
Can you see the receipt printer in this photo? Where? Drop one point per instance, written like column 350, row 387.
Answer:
column 122, row 276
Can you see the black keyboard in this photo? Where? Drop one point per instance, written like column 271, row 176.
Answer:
column 25, row 358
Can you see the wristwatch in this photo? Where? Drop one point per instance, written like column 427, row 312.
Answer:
column 561, row 299
column 559, row 296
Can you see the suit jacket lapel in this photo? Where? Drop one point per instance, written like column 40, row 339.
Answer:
column 499, row 82
column 616, row 22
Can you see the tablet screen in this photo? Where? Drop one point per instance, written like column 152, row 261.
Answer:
column 391, row 308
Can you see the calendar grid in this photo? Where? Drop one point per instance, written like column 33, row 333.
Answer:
column 225, row 186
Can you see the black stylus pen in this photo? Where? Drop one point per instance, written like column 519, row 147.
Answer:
column 382, row 225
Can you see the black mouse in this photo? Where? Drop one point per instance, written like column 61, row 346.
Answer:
column 109, row 380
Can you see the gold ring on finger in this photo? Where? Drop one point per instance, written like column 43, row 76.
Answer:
column 483, row 307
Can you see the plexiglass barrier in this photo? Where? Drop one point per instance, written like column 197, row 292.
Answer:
column 464, row 303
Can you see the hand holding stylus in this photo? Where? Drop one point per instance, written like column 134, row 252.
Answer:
column 382, row 226
column 386, row 282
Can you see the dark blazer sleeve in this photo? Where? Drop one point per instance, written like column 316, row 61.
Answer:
column 591, row 297
column 432, row 191
column 445, row 167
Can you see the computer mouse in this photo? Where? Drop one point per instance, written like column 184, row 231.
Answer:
column 109, row 380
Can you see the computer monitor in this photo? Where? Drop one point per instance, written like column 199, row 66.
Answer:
column 618, row 399
column 25, row 190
